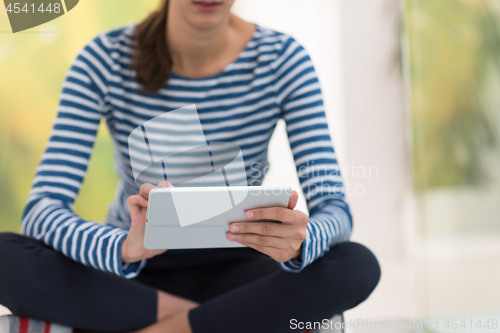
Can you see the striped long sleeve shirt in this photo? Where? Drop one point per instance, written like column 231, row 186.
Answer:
column 272, row 79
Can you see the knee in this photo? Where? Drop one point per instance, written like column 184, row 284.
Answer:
column 348, row 272
column 12, row 249
column 14, row 252
column 363, row 267
column 9, row 245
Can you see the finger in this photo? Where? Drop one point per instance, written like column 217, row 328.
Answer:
column 136, row 204
column 137, row 200
column 261, row 228
column 294, row 198
column 145, row 189
column 281, row 214
column 165, row 183
column 266, row 241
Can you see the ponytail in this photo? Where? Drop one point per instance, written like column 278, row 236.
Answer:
column 151, row 60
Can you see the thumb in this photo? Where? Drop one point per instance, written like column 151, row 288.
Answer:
column 294, row 198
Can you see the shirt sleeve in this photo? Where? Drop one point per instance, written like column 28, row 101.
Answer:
column 299, row 98
column 48, row 215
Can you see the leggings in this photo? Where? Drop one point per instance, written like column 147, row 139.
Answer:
column 239, row 289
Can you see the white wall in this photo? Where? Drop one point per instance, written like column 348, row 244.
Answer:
column 375, row 120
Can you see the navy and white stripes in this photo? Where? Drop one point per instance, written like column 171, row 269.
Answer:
column 273, row 78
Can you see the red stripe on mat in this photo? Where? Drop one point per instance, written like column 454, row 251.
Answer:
column 24, row 325
column 46, row 328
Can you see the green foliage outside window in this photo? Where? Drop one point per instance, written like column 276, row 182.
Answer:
column 454, row 50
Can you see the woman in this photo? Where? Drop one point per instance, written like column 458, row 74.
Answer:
column 243, row 79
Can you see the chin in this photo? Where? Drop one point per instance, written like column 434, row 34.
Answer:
column 207, row 22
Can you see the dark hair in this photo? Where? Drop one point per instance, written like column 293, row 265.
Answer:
column 151, row 59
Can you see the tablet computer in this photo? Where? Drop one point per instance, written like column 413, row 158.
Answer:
column 199, row 217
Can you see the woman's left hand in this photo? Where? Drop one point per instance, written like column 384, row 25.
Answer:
column 281, row 241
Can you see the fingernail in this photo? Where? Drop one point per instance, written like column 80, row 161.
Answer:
column 234, row 228
column 231, row 236
column 249, row 215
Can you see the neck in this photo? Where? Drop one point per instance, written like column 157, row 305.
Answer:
column 193, row 49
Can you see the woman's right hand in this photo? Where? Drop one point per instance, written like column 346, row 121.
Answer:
column 132, row 247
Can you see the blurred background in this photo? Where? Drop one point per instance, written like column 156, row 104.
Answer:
column 412, row 93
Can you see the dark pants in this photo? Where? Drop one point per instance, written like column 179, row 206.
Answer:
column 240, row 290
